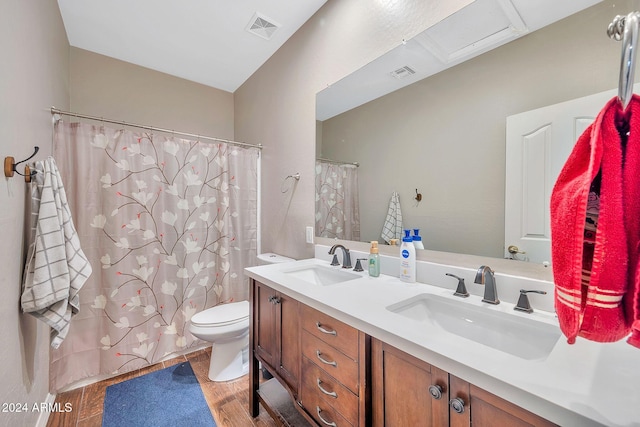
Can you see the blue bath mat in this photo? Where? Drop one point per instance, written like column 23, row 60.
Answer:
column 171, row 397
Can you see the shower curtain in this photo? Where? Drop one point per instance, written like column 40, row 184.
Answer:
column 337, row 205
column 168, row 225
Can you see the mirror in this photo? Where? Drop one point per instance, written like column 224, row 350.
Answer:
column 440, row 131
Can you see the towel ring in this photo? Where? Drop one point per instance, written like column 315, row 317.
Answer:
column 10, row 166
column 295, row 176
column 625, row 28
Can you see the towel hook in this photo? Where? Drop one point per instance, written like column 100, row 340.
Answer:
column 625, row 28
column 10, row 166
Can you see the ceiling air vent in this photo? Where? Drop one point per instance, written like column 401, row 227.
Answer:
column 262, row 26
column 403, row 72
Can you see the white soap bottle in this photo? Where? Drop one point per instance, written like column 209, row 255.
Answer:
column 417, row 239
column 407, row 259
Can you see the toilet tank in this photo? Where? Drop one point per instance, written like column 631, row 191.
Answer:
column 271, row 258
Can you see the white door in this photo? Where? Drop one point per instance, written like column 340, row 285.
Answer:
column 538, row 144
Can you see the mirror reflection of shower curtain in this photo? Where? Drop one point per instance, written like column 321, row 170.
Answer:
column 337, row 205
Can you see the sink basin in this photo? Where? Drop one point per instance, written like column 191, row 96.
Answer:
column 323, row 276
column 525, row 338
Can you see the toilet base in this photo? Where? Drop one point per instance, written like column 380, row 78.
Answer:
column 229, row 360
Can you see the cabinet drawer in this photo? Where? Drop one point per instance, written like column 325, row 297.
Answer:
column 330, row 360
column 331, row 391
column 338, row 334
column 320, row 409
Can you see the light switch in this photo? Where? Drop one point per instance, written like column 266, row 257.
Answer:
column 309, row 232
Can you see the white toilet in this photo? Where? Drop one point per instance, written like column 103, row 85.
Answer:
column 227, row 327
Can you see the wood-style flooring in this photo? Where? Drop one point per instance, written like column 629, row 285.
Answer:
column 228, row 401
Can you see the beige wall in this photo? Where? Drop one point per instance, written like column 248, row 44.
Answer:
column 106, row 87
column 445, row 135
column 276, row 106
column 33, row 76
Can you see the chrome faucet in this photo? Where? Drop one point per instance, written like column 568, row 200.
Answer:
column 485, row 277
column 346, row 256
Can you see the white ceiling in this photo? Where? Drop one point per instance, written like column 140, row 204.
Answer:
column 204, row 41
column 475, row 29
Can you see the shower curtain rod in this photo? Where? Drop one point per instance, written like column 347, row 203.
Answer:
column 338, row 162
column 54, row 110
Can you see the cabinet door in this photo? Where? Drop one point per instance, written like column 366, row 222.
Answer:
column 288, row 331
column 489, row 410
column 400, row 390
column 265, row 324
column 459, row 403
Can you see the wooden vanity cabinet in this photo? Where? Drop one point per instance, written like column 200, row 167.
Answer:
column 320, row 362
column 408, row 391
column 332, row 374
column 276, row 333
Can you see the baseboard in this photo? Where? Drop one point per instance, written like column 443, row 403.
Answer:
column 43, row 418
column 88, row 381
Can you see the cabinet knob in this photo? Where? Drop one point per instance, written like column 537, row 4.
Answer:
column 435, row 391
column 457, row 405
column 274, row 299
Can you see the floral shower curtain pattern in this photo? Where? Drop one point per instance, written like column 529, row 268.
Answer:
column 337, row 205
column 168, row 225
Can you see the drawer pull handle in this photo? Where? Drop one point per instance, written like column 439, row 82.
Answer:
column 326, row 362
column 328, row 393
column 325, row 422
column 457, row 405
column 324, row 331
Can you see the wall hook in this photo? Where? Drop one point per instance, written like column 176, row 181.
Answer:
column 418, row 196
column 10, row 166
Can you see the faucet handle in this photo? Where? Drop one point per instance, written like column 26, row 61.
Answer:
column 358, row 266
column 461, row 290
column 523, row 302
column 335, row 260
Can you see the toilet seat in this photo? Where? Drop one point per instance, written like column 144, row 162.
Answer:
column 222, row 315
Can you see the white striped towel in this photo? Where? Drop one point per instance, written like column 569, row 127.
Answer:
column 56, row 267
column 392, row 228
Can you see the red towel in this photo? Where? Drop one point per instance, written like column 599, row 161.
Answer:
column 632, row 219
column 593, row 276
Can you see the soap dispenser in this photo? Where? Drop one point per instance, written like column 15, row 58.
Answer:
column 374, row 260
column 417, row 239
column 407, row 258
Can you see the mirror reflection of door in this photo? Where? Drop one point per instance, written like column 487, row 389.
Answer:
column 537, row 145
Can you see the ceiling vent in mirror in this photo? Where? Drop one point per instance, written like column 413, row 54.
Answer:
column 403, row 72
column 262, row 26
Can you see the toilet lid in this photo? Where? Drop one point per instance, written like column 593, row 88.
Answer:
column 221, row 315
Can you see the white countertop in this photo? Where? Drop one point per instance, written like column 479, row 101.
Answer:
column 585, row 384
